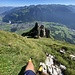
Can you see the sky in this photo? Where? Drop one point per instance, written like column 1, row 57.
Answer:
column 34, row 2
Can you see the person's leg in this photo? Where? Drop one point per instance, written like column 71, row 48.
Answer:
column 30, row 66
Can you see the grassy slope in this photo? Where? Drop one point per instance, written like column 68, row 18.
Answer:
column 16, row 50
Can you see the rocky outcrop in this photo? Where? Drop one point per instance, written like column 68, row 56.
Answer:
column 38, row 31
column 72, row 57
column 50, row 67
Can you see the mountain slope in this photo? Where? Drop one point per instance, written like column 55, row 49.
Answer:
column 61, row 32
column 15, row 51
column 48, row 13
column 5, row 9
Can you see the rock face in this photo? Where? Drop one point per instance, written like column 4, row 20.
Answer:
column 51, row 68
column 38, row 31
column 72, row 57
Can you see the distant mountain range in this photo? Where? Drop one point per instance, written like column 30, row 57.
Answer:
column 64, row 14
column 5, row 9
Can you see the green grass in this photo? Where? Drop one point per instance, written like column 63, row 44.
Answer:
column 16, row 50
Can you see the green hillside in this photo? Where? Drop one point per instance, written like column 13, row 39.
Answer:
column 16, row 50
column 61, row 32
